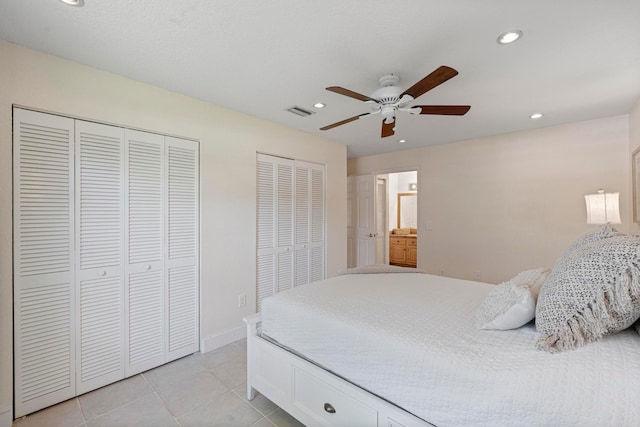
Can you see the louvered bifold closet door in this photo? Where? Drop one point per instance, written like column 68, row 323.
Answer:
column 310, row 222
column 303, row 223
column 43, row 260
column 318, row 223
column 266, row 229
column 275, row 226
column 285, row 226
column 182, row 271
column 100, row 255
column 144, row 225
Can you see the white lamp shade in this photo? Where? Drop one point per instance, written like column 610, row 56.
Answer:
column 603, row 208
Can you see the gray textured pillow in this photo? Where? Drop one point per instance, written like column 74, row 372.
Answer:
column 604, row 232
column 511, row 304
column 592, row 291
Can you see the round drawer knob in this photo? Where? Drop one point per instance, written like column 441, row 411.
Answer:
column 102, row 273
column 147, row 267
column 329, row 408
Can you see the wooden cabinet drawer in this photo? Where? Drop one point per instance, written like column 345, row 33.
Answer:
column 327, row 405
column 412, row 242
column 397, row 240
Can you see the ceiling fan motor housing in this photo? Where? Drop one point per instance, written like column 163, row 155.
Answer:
column 389, row 93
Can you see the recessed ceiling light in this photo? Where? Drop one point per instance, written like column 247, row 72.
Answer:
column 536, row 116
column 402, row 141
column 77, row 3
column 509, row 37
column 319, row 105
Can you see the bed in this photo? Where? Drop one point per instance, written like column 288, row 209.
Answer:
column 401, row 349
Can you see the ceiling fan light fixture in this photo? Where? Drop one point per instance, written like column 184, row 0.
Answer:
column 75, row 3
column 509, row 37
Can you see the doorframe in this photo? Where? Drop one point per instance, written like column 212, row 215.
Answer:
column 401, row 169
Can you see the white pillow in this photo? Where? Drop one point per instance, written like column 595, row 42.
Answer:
column 512, row 303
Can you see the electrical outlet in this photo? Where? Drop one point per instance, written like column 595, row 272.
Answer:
column 477, row 275
column 242, row 300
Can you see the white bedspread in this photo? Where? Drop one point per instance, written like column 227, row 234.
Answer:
column 410, row 339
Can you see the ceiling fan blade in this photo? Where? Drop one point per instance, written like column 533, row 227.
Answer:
column 443, row 110
column 436, row 78
column 345, row 121
column 387, row 128
column 349, row 93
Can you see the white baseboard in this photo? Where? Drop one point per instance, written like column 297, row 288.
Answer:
column 6, row 418
column 222, row 339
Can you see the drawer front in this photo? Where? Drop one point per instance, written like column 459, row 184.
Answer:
column 397, row 240
column 412, row 242
column 327, row 405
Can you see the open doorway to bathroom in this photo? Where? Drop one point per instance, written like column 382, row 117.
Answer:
column 396, row 218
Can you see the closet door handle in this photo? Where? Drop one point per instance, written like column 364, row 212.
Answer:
column 147, row 267
column 102, row 273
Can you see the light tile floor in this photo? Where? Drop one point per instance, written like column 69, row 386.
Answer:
column 196, row 391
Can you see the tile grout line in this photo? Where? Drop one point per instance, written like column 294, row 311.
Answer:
column 154, row 391
column 126, row 403
column 264, row 414
column 84, row 417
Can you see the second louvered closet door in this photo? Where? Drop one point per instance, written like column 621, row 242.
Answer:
column 99, row 255
column 144, row 288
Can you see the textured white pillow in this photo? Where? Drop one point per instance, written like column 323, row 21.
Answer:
column 512, row 303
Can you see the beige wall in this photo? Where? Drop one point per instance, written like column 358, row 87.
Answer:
column 229, row 142
column 503, row 204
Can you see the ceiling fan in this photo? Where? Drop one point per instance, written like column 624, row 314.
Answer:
column 390, row 98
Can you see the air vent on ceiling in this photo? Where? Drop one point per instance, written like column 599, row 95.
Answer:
column 299, row 111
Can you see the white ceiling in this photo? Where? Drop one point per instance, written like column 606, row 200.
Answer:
column 577, row 60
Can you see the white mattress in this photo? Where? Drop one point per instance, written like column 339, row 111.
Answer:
column 410, row 339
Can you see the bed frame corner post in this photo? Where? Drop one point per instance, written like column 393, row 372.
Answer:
column 252, row 331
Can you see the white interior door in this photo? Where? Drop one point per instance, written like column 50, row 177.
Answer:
column 351, row 228
column 382, row 228
column 365, row 220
